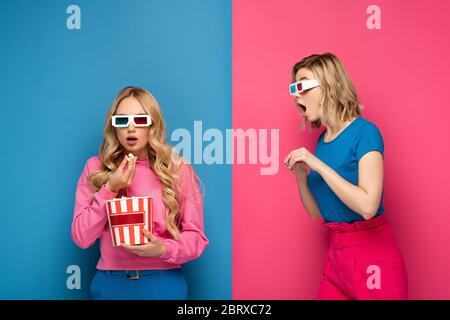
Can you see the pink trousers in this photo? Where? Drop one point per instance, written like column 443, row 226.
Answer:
column 363, row 262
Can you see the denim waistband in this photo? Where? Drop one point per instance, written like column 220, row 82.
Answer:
column 133, row 274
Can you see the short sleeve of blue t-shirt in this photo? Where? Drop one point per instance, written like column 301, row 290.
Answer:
column 369, row 139
column 342, row 154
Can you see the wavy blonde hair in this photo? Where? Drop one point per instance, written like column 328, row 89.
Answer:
column 339, row 99
column 160, row 155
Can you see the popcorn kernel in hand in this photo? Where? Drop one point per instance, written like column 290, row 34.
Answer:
column 130, row 156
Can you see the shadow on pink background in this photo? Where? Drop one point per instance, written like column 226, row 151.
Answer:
column 401, row 73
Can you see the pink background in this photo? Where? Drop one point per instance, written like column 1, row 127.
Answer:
column 401, row 73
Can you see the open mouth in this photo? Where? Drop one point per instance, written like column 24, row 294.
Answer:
column 301, row 106
column 132, row 141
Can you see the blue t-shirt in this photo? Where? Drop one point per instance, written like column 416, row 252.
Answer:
column 342, row 154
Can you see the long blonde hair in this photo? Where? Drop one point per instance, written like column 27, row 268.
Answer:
column 158, row 151
column 339, row 99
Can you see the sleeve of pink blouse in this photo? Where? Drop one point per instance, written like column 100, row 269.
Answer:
column 193, row 240
column 90, row 212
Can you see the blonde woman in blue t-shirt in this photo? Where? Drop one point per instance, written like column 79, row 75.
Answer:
column 344, row 186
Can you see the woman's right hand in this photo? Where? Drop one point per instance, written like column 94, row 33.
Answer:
column 122, row 176
column 299, row 169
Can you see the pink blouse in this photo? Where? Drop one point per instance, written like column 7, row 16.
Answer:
column 90, row 220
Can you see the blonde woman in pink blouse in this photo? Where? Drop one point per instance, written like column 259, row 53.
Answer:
column 151, row 270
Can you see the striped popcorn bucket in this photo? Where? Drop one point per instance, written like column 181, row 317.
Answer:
column 127, row 218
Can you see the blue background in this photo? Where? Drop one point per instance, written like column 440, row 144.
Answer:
column 56, row 87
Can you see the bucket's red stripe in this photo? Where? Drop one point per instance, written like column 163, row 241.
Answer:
column 118, row 220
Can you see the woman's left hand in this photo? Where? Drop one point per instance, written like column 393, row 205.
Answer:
column 302, row 155
column 154, row 248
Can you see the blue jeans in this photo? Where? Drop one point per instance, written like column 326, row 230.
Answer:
column 167, row 284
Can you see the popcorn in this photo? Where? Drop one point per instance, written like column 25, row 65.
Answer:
column 130, row 156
